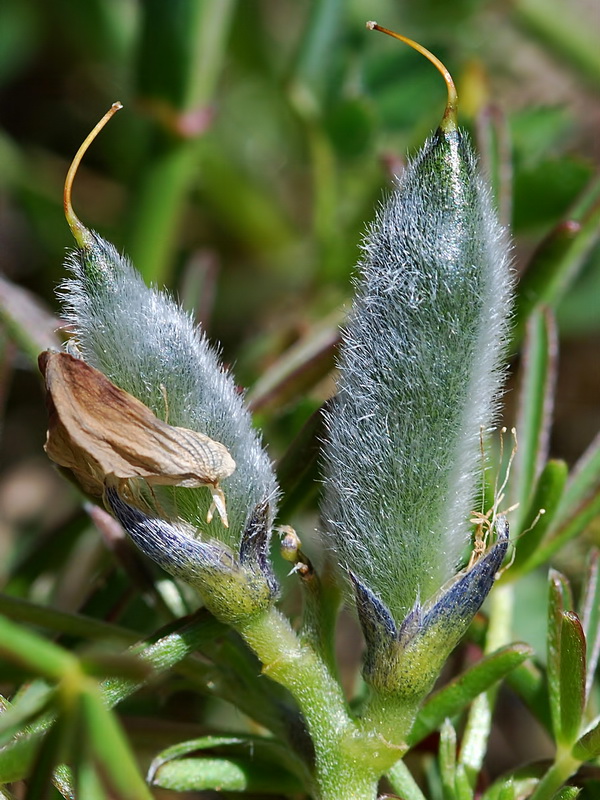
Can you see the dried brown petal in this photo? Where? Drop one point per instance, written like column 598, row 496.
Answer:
column 98, row 430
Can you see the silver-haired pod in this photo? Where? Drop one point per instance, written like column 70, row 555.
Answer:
column 147, row 346
column 420, row 374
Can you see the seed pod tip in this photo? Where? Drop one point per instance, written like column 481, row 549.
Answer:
column 79, row 231
column 449, row 120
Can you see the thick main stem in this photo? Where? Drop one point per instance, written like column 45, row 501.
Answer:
column 347, row 763
column 558, row 774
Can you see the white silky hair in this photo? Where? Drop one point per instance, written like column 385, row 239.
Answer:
column 420, row 373
column 148, row 345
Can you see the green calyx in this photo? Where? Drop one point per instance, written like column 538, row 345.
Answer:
column 406, row 661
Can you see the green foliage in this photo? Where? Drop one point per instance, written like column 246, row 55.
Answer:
column 255, row 143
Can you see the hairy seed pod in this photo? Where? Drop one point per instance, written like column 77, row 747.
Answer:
column 146, row 344
column 420, row 373
column 148, row 402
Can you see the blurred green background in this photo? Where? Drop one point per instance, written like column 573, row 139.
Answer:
column 257, row 139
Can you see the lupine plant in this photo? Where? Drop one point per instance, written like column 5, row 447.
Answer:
column 150, row 425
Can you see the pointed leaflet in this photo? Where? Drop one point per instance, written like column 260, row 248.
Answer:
column 225, row 774
column 109, row 746
column 588, row 746
column 236, row 771
column 546, row 497
column 535, row 405
column 579, row 505
column 572, row 676
column 447, row 759
column 566, row 663
column 590, row 616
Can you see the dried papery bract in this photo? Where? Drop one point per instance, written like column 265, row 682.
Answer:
column 420, row 372
column 98, row 430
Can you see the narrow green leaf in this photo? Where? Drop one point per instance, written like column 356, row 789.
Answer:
column 588, row 746
column 17, row 757
column 455, row 696
column 181, row 50
column 127, row 666
column 432, row 778
column 535, row 405
column 183, row 748
column 32, row 701
column 89, row 784
column 559, row 598
column 240, row 683
column 63, row 780
column 402, row 782
column 167, row 648
column 572, row 676
column 39, row 784
column 262, row 749
column 590, row 616
column 507, row 792
column 547, row 495
column 316, row 45
column 567, row 793
column 475, row 739
column 180, row 57
column 563, row 532
column 522, row 782
column 447, row 759
column 463, row 788
column 88, row 779
column 34, row 653
column 110, row 748
column 301, row 366
column 62, row 621
column 236, row 775
column 583, row 481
